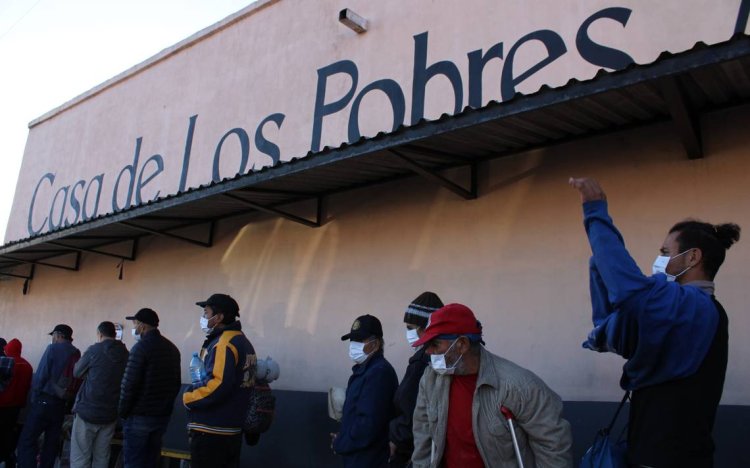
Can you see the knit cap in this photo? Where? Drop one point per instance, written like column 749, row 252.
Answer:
column 420, row 309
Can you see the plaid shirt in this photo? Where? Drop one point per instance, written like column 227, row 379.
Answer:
column 6, row 371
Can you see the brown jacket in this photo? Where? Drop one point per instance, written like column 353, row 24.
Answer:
column 543, row 435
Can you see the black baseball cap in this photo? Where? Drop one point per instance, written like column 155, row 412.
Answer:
column 364, row 327
column 64, row 330
column 223, row 302
column 146, row 316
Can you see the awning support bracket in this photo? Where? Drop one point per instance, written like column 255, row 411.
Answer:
column 30, row 276
column 322, row 211
column 190, row 240
column 130, row 257
column 26, row 278
column 75, row 266
column 283, row 214
column 433, row 176
column 685, row 119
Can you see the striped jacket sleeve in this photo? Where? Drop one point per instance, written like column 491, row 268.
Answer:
column 222, row 375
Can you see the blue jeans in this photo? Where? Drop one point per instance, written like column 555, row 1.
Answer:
column 46, row 416
column 142, row 440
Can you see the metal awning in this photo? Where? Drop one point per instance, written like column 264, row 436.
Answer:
column 677, row 87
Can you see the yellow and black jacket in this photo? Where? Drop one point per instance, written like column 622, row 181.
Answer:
column 220, row 405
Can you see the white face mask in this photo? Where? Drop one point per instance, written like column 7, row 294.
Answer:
column 440, row 366
column 411, row 335
column 135, row 335
column 660, row 266
column 204, row 325
column 357, row 352
column 118, row 332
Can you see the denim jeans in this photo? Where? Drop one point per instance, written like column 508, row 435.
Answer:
column 142, row 440
column 46, row 416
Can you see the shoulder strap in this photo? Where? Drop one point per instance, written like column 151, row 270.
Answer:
column 625, row 398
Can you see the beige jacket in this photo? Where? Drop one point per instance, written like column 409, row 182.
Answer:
column 543, row 435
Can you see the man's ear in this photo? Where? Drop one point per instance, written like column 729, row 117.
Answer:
column 695, row 257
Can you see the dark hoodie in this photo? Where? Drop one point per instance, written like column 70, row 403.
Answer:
column 101, row 367
column 18, row 388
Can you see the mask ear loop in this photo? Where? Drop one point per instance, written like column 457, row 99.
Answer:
column 686, row 269
column 455, row 364
column 365, row 344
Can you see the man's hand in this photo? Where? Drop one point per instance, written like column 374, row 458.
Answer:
column 589, row 188
column 333, row 439
column 392, row 446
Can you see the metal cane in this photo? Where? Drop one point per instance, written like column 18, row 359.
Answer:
column 509, row 416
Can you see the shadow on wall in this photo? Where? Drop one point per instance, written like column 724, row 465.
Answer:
column 260, row 262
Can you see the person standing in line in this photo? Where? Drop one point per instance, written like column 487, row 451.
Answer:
column 6, row 366
column 149, row 387
column 362, row 440
column 12, row 399
column 670, row 328
column 217, row 407
column 47, row 410
column 400, row 428
column 458, row 421
column 102, row 367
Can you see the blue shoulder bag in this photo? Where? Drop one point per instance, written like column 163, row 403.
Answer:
column 606, row 452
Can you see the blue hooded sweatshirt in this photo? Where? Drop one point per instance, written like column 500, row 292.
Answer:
column 662, row 328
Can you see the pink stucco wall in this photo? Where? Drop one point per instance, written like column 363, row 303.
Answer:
column 517, row 255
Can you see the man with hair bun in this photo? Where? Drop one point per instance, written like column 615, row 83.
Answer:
column 670, row 328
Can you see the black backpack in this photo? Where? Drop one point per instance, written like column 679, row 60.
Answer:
column 67, row 385
column 260, row 411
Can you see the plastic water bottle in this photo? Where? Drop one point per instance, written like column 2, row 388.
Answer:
column 197, row 370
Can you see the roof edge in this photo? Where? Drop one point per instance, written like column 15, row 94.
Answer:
column 666, row 64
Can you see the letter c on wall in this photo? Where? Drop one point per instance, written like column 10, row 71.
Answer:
column 32, row 232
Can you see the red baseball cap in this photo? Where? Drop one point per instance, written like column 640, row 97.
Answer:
column 451, row 320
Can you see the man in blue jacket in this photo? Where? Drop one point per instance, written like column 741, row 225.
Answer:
column 670, row 328
column 362, row 440
column 217, row 408
column 48, row 405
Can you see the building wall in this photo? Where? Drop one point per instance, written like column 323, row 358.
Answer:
column 163, row 122
column 517, row 256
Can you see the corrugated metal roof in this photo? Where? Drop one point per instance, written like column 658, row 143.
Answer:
column 701, row 79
